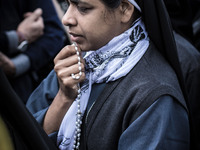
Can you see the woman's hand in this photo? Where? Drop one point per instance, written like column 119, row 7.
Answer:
column 66, row 63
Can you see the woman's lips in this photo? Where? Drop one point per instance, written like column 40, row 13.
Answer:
column 75, row 37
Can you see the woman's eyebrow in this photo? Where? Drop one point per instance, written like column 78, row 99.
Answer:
column 78, row 2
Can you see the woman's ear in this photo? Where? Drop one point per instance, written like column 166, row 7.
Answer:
column 127, row 10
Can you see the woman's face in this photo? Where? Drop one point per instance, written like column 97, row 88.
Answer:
column 90, row 24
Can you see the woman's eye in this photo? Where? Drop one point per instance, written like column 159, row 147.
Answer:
column 83, row 9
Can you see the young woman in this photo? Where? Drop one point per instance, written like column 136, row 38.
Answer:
column 122, row 94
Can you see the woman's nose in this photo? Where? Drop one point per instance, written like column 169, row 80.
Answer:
column 69, row 18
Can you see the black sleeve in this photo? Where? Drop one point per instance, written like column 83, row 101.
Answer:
column 25, row 132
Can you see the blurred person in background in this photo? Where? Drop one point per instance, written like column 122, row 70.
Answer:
column 31, row 35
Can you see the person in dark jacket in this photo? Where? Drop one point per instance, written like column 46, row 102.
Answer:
column 28, row 31
column 34, row 36
column 123, row 94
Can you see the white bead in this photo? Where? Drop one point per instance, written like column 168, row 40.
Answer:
column 76, row 48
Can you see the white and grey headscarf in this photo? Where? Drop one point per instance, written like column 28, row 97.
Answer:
column 109, row 63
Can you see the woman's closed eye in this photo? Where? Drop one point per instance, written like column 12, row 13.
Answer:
column 83, row 9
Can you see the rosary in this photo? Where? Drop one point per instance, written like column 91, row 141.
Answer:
column 77, row 135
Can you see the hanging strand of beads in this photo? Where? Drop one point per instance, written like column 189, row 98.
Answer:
column 77, row 135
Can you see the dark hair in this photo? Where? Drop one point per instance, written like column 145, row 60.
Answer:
column 111, row 3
